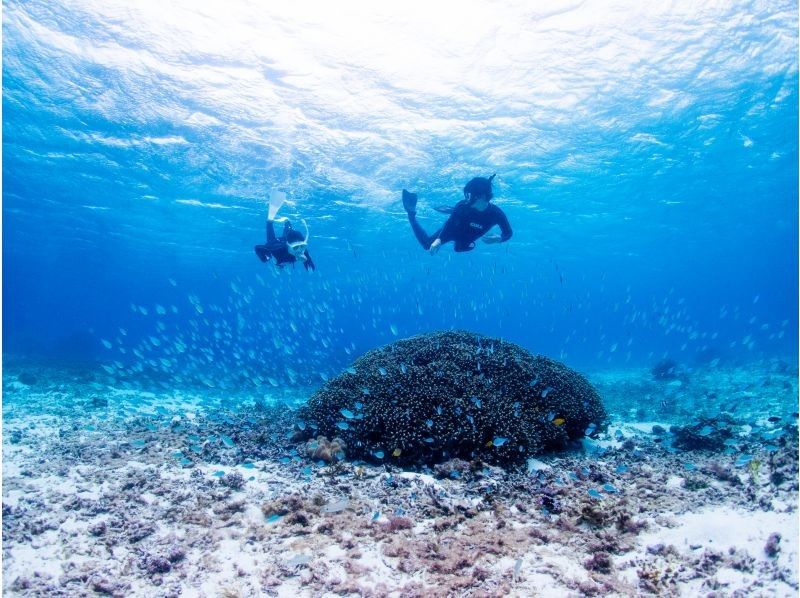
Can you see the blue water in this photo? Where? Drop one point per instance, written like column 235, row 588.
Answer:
column 646, row 159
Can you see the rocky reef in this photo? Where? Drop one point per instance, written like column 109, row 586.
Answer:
column 448, row 395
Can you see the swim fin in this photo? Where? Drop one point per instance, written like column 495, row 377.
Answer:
column 276, row 199
column 410, row 202
column 445, row 209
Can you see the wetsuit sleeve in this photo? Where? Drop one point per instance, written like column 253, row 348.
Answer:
column 505, row 227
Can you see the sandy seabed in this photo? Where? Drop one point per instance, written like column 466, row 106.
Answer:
column 111, row 489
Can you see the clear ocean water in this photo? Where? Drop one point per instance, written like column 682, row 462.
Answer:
column 646, row 157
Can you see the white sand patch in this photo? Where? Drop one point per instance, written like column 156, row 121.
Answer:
column 723, row 529
column 42, row 556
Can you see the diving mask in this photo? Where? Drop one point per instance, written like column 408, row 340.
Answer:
column 297, row 249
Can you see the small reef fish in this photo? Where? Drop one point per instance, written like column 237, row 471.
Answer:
column 499, row 441
column 347, row 413
column 559, row 421
column 396, row 452
column 343, row 425
column 351, row 370
column 378, row 454
column 382, row 370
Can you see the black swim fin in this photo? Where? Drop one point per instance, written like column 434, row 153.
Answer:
column 410, row 202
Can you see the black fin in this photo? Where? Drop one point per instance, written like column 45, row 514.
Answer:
column 445, row 209
column 409, row 201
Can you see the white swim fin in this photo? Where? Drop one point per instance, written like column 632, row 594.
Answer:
column 276, row 199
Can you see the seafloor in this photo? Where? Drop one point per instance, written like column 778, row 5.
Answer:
column 118, row 490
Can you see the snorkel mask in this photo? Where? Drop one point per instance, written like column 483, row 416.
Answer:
column 477, row 188
column 298, row 248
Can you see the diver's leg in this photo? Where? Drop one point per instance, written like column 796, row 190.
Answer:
column 270, row 232
column 424, row 238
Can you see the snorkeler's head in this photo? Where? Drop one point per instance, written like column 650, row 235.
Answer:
column 296, row 242
column 479, row 188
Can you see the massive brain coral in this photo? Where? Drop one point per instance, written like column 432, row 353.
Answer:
column 437, row 396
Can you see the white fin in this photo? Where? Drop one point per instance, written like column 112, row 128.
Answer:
column 276, row 199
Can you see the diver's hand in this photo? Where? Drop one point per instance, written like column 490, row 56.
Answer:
column 492, row 239
column 434, row 248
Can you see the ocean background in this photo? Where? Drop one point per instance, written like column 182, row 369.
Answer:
column 646, row 157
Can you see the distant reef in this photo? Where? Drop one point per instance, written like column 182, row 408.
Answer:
column 446, row 395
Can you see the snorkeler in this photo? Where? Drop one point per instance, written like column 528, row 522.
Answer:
column 291, row 246
column 469, row 219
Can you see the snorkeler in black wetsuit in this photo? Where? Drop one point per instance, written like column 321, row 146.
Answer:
column 469, row 219
column 286, row 249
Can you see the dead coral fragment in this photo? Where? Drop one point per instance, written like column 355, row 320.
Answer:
column 322, row 449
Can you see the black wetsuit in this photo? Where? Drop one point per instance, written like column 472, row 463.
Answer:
column 464, row 226
column 277, row 247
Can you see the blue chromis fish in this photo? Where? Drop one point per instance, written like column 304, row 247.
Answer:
column 499, row 441
column 347, row 413
column 343, row 425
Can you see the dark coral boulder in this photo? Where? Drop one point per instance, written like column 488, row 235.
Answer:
column 443, row 395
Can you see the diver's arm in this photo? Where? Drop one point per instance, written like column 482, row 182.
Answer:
column 505, row 230
column 505, row 227
column 308, row 262
column 449, row 225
